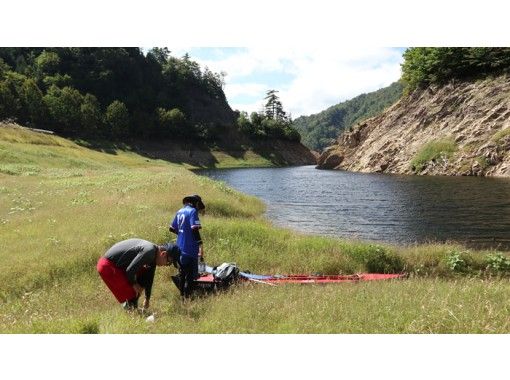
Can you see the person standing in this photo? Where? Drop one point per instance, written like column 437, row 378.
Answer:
column 128, row 268
column 186, row 224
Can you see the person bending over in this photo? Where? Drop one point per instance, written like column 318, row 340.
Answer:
column 128, row 268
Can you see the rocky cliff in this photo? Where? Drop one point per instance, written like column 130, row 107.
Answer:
column 461, row 128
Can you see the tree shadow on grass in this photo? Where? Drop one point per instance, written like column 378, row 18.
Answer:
column 195, row 153
column 102, row 146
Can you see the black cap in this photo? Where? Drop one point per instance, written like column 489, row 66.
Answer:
column 195, row 200
column 172, row 253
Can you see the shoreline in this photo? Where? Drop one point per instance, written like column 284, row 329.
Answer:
column 52, row 209
column 481, row 244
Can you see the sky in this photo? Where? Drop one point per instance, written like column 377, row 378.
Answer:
column 309, row 80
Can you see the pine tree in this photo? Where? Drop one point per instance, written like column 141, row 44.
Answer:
column 273, row 108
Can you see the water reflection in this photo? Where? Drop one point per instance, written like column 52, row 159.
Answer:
column 396, row 209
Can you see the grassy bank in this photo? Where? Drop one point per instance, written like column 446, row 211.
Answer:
column 62, row 205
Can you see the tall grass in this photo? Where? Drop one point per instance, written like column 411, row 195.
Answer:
column 56, row 222
column 82, row 305
column 432, row 151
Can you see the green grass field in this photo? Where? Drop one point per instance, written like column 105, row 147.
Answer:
column 62, row 205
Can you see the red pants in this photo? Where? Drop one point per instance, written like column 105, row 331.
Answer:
column 116, row 280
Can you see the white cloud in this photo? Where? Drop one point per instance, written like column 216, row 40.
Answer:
column 233, row 90
column 249, row 107
column 319, row 76
column 330, row 79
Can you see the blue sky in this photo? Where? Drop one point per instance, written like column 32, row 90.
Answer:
column 309, row 80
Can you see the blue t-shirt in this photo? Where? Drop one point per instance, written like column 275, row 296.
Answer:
column 186, row 219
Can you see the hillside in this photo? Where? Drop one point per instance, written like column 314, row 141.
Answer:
column 321, row 129
column 126, row 95
column 191, row 155
column 460, row 127
column 112, row 92
column 228, row 154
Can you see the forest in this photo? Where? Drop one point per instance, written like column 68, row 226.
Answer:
column 119, row 93
column 320, row 130
column 436, row 65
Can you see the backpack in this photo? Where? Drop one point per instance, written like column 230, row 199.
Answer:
column 226, row 273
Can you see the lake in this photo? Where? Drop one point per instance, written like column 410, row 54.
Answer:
column 380, row 208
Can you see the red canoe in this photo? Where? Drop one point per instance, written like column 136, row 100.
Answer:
column 308, row 279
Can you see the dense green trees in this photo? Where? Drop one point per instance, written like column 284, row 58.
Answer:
column 46, row 64
column 32, row 101
column 122, row 92
column 64, row 106
column 117, row 119
column 320, row 130
column 273, row 122
column 427, row 65
column 172, row 122
column 91, row 117
column 8, row 101
column 112, row 92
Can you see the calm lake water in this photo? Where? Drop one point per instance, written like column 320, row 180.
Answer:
column 383, row 208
